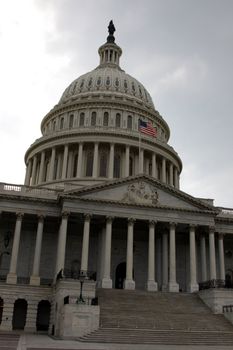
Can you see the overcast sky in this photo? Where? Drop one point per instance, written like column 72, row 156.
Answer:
column 181, row 51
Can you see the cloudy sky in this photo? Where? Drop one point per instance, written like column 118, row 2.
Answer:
column 181, row 50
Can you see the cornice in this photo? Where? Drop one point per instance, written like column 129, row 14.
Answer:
column 133, row 205
column 210, row 209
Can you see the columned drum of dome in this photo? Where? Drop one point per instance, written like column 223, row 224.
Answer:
column 92, row 134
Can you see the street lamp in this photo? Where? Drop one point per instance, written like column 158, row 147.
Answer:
column 82, row 277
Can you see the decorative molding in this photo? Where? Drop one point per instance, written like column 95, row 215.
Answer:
column 19, row 215
column 138, row 193
column 110, row 218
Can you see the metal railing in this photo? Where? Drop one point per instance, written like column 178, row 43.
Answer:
column 227, row 308
column 215, row 283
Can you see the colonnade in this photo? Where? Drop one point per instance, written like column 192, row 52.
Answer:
column 169, row 281
column 71, row 161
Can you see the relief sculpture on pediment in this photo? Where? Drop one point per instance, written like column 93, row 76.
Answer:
column 140, row 193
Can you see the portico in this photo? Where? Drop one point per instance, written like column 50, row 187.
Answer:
column 136, row 230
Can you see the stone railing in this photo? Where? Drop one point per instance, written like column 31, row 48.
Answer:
column 27, row 190
column 225, row 212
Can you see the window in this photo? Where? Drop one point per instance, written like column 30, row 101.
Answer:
column 117, row 166
column 118, row 120
column 89, row 163
column 131, row 172
column 61, row 123
column 105, row 122
column 129, row 122
column 103, row 163
column 71, row 121
column 81, row 120
column 93, row 118
column 75, row 165
column 54, row 125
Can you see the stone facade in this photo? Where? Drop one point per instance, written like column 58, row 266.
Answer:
column 102, row 207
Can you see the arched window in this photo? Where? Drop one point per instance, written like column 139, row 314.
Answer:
column 93, row 118
column 103, row 163
column 71, row 121
column 61, row 123
column 82, row 119
column 105, row 122
column 117, row 166
column 129, row 122
column 131, row 163
column 89, row 163
column 118, row 120
column 54, row 125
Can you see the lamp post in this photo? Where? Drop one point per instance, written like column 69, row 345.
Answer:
column 82, row 277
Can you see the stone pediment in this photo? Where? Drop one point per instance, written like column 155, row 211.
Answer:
column 140, row 191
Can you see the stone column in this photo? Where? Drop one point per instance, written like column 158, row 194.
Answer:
column 221, row 256
column 171, row 174
column 212, row 254
column 127, row 151
column 61, row 245
column 28, row 173
column 154, row 166
column 65, row 159
column 52, row 164
column 129, row 282
column 193, row 286
column 7, row 314
column 141, row 161
column 95, row 160
column 203, row 259
column 35, row 278
column 172, row 284
column 164, row 170
column 41, row 172
column 107, row 281
column 30, row 325
column 34, row 164
column 165, row 262
column 151, row 284
column 85, row 244
column 111, row 161
column 80, row 160
column 12, row 277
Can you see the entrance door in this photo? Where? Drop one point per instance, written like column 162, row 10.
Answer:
column 43, row 315
column 19, row 314
column 120, row 275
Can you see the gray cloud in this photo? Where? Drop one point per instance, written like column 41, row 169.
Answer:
column 182, row 52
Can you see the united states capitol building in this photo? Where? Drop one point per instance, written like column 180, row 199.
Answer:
column 101, row 208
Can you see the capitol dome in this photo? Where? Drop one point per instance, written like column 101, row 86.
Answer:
column 92, row 135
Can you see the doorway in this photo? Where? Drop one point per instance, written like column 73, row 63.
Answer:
column 43, row 315
column 120, row 275
column 19, row 314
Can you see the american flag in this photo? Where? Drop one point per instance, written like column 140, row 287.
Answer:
column 146, row 128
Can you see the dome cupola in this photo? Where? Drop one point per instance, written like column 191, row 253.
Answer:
column 92, row 134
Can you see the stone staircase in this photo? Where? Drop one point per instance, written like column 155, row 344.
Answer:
column 9, row 341
column 138, row 317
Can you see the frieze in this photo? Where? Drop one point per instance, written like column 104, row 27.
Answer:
column 140, row 193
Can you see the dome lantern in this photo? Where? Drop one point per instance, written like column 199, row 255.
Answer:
column 109, row 52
